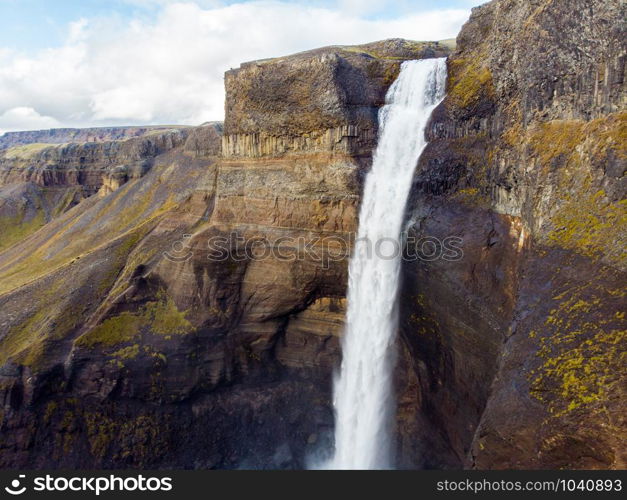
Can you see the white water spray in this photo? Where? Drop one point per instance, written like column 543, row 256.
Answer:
column 363, row 397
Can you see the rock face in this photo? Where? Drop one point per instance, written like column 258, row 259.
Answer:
column 324, row 100
column 517, row 346
column 208, row 294
column 84, row 164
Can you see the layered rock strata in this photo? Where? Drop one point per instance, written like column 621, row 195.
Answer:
column 207, row 294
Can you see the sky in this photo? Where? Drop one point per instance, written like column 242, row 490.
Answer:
column 80, row 63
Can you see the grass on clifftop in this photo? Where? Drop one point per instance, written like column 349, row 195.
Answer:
column 371, row 49
column 26, row 151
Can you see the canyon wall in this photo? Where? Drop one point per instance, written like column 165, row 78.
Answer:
column 518, row 345
column 79, row 135
column 39, row 181
column 189, row 316
column 84, row 164
column 207, row 294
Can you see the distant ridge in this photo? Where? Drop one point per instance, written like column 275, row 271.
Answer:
column 91, row 134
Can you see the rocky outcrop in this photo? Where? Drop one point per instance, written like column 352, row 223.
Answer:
column 324, row 100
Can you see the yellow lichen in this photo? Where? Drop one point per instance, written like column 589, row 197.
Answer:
column 468, row 82
column 585, row 219
column 470, row 196
column 101, row 431
column 165, row 318
column 51, row 409
column 590, row 225
column 580, row 357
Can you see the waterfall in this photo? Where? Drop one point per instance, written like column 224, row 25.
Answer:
column 363, row 392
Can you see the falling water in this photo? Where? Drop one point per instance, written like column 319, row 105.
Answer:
column 363, row 399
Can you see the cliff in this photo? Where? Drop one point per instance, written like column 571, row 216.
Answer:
column 323, row 100
column 79, row 135
column 117, row 330
column 519, row 361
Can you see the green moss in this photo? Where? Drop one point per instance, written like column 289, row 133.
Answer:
column 112, row 331
column 471, row 196
column 101, row 431
column 140, row 439
column 476, row 152
column 68, row 420
column 147, row 437
column 64, row 439
column 165, row 318
column 388, row 71
column 422, row 322
column 586, row 220
column 556, row 138
column 391, row 73
column 29, row 341
column 129, row 352
column 581, row 375
column 159, row 317
column 514, row 135
column 565, row 138
column 468, row 82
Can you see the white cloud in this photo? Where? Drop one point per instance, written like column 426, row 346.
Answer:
column 362, row 7
column 77, row 31
column 169, row 69
column 23, row 118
